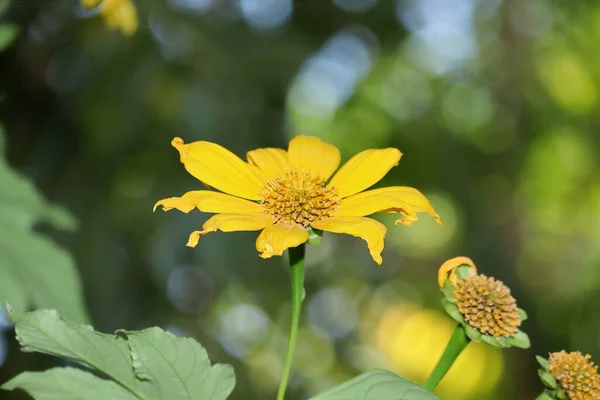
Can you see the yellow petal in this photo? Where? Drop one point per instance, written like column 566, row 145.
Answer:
column 373, row 232
column 364, row 170
column 405, row 200
column 448, row 269
column 270, row 161
column 230, row 223
column 219, row 168
column 314, row 155
column 275, row 239
column 209, row 201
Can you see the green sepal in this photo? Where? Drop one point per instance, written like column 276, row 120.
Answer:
column 463, row 271
column 520, row 340
column 315, row 236
column 543, row 362
column 505, row 342
column 547, row 379
column 560, row 394
column 452, row 310
column 473, row 333
column 522, row 315
column 448, row 290
column 545, row 396
column 492, row 341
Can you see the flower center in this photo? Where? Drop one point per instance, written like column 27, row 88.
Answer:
column 576, row 374
column 487, row 305
column 298, row 198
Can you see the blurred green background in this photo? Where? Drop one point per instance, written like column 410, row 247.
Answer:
column 493, row 103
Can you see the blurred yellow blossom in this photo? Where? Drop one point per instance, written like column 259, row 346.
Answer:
column 285, row 193
column 117, row 14
column 412, row 338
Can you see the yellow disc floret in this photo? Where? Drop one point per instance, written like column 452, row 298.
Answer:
column 576, row 374
column 298, row 198
column 487, row 305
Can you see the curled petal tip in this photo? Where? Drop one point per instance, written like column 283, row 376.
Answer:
column 194, row 238
column 266, row 255
column 177, row 142
column 156, row 206
column 406, row 221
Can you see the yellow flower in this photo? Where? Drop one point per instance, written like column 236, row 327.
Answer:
column 118, row 14
column 284, row 193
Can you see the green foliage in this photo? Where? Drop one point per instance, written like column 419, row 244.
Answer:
column 8, row 33
column 34, row 271
column 377, row 385
column 147, row 364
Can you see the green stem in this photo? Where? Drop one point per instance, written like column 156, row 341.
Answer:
column 458, row 342
column 296, row 255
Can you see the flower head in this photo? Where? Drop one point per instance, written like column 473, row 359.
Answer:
column 118, row 14
column 287, row 193
column 482, row 304
column 571, row 376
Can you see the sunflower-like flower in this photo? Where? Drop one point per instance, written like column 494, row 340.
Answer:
column 569, row 376
column 117, row 14
column 288, row 193
column 481, row 304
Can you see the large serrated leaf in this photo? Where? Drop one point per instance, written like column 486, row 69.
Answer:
column 68, row 384
column 179, row 366
column 377, row 385
column 45, row 332
column 145, row 365
column 34, row 271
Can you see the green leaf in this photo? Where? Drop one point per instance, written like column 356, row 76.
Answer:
column 34, row 271
column 148, row 364
column 377, row 385
column 67, row 384
column 8, row 33
column 179, row 366
column 44, row 331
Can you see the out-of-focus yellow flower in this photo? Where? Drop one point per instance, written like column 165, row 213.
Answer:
column 285, row 193
column 117, row 14
column 412, row 339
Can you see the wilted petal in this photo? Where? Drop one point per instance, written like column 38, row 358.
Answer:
column 448, row 269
